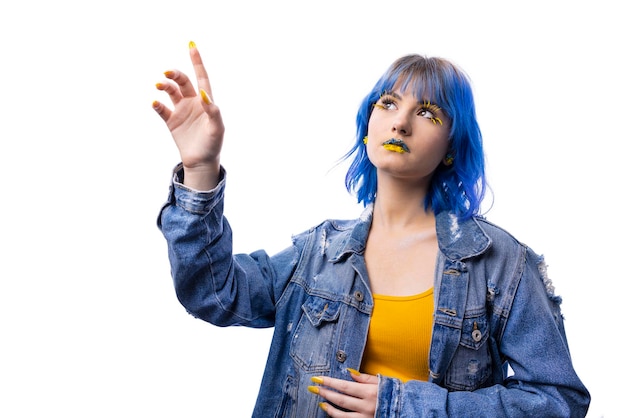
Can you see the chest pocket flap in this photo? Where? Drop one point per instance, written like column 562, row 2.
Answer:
column 319, row 310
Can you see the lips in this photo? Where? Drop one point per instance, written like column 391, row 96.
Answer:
column 396, row 145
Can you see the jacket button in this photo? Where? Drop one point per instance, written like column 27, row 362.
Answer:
column 476, row 334
column 341, row 356
column 358, row 295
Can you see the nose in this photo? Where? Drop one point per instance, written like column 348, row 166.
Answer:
column 402, row 124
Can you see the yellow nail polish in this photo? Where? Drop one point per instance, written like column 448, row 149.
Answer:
column 155, row 104
column 317, row 379
column 192, row 44
column 314, row 389
column 169, row 74
column 354, row 372
column 324, row 406
column 159, row 85
column 205, row 97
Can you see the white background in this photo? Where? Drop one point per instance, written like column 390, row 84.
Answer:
column 89, row 323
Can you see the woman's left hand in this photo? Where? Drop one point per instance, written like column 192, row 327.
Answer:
column 358, row 397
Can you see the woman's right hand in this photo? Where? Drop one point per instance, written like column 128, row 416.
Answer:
column 195, row 123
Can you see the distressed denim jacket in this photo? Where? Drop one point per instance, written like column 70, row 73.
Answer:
column 498, row 343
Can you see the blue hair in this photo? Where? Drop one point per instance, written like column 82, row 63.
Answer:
column 460, row 187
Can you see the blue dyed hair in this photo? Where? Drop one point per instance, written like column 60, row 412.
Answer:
column 460, row 187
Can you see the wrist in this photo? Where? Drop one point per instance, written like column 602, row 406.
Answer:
column 202, row 177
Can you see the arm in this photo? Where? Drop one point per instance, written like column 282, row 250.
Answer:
column 544, row 382
column 210, row 282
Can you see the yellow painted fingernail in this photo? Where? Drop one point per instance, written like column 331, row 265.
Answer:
column 155, row 104
column 354, row 372
column 314, row 389
column 205, row 97
column 159, row 85
column 169, row 74
column 192, row 44
column 317, row 379
column 324, row 406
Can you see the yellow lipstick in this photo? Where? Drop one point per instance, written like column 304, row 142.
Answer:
column 396, row 145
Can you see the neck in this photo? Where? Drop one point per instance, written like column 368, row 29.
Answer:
column 400, row 206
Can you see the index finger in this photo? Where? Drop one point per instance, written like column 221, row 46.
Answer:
column 201, row 74
column 344, row 386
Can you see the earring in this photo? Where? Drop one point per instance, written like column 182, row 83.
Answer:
column 365, row 140
column 448, row 160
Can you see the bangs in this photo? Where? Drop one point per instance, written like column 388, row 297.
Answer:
column 424, row 79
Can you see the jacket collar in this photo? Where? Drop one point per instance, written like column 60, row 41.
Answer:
column 457, row 239
column 352, row 240
column 460, row 239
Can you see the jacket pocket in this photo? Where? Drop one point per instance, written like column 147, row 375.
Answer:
column 311, row 344
column 471, row 364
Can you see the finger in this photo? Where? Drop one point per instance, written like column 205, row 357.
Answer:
column 363, row 377
column 334, row 412
column 341, row 393
column 171, row 90
column 339, row 401
column 201, row 74
column 162, row 110
column 184, row 84
column 340, row 385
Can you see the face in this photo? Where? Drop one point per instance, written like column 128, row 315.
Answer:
column 407, row 137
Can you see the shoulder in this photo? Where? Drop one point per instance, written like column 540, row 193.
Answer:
column 505, row 244
column 334, row 226
column 502, row 237
column 339, row 227
column 497, row 233
column 327, row 230
column 334, row 238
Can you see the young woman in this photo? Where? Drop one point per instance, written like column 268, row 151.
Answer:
column 418, row 308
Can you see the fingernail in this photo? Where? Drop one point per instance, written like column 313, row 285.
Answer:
column 354, row 372
column 159, row 85
column 314, row 389
column 169, row 74
column 317, row 379
column 323, row 406
column 205, row 97
column 192, row 44
column 155, row 104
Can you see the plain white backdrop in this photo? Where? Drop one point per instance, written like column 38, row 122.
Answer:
column 89, row 323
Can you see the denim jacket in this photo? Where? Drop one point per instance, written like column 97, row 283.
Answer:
column 498, row 343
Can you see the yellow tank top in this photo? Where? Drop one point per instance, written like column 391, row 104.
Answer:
column 398, row 341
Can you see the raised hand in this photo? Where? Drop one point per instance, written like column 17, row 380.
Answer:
column 195, row 123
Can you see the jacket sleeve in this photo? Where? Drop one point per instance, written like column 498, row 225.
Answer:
column 210, row 282
column 542, row 383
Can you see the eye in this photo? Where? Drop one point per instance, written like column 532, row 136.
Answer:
column 386, row 103
column 429, row 110
column 426, row 113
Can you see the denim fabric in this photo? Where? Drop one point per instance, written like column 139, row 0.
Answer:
column 495, row 308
